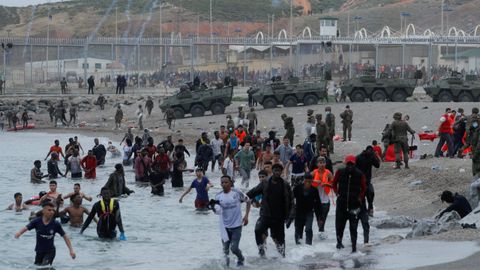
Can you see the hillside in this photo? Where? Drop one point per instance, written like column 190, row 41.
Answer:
column 79, row 18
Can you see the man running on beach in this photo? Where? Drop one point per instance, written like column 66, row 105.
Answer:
column 109, row 216
column 201, row 184
column 228, row 204
column 46, row 228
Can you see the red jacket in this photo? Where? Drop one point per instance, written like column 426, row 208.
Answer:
column 446, row 127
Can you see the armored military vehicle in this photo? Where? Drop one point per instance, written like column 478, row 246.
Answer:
column 369, row 87
column 196, row 100
column 455, row 88
column 289, row 93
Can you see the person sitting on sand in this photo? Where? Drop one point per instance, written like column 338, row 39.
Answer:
column 18, row 206
column 457, row 203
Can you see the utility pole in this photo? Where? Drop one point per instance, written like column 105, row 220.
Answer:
column 211, row 32
column 441, row 8
column 48, row 41
column 160, row 36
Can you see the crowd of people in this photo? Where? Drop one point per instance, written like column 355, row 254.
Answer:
column 297, row 180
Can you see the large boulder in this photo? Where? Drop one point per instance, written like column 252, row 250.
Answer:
column 448, row 221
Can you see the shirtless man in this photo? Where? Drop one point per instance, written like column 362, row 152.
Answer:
column 76, row 191
column 75, row 211
column 36, row 175
column 267, row 155
column 18, row 206
column 52, row 195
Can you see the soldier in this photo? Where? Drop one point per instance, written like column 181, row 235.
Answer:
column 289, row 127
column 73, row 114
column 170, row 116
column 252, row 119
column 473, row 132
column 330, row 121
column 310, row 123
column 399, row 130
column 322, row 132
column 241, row 116
column 118, row 117
column 51, row 111
column 60, row 114
column 149, row 105
column 9, row 116
column 473, row 118
column 101, row 102
column 347, row 120
column 230, row 123
column 63, row 85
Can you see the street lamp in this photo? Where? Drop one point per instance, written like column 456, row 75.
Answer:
column 356, row 18
column 447, row 9
column 403, row 20
column 6, row 49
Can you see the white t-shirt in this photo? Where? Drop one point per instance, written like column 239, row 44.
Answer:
column 126, row 152
column 75, row 164
column 217, row 146
column 323, row 195
column 228, row 165
column 231, row 207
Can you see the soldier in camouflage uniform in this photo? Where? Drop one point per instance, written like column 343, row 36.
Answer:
column 473, row 132
column 310, row 123
column 322, row 132
column 330, row 121
column 230, row 124
column 289, row 127
column 347, row 120
column 170, row 116
column 399, row 130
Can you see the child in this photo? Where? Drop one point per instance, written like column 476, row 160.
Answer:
column 201, row 185
column 377, row 149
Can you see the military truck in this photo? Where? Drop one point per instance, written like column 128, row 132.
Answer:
column 455, row 88
column 369, row 87
column 198, row 100
column 289, row 93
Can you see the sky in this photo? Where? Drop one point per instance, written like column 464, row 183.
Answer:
column 24, row 3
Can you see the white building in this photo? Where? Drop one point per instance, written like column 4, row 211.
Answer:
column 59, row 68
column 328, row 26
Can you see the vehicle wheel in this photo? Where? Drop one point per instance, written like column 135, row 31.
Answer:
column 197, row 110
column 269, row 103
column 357, row 95
column 309, row 100
column 290, row 101
column 465, row 97
column 179, row 113
column 399, row 95
column 379, row 95
column 217, row 108
column 445, row 96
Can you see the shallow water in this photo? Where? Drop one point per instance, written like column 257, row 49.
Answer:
column 163, row 234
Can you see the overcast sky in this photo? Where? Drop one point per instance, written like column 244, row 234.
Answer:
column 24, row 3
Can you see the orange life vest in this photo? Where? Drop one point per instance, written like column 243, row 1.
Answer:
column 321, row 180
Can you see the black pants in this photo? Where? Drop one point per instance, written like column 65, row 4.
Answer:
column 324, row 209
column 363, row 216
column 90, row 90
column 370, row 195
column 277, row 230
column 45, row 258
column 301, row 221
column 342, row 216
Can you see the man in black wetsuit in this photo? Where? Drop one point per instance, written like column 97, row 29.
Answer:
column 109, row 216
column 276, row 205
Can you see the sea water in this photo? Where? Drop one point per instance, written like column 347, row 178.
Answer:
column 164, row 234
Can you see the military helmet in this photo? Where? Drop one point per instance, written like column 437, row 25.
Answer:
column 283, row 115
column 475, row 110
column 309, row 112
column 397, row 116
column 318, row 116
column 328, row 109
